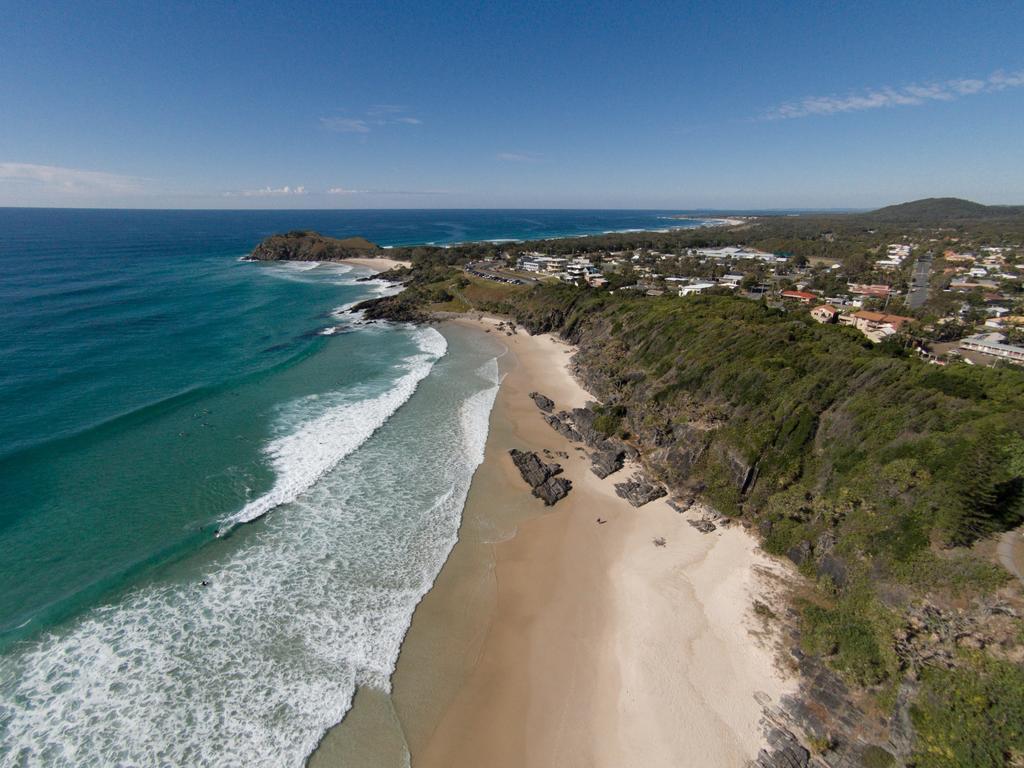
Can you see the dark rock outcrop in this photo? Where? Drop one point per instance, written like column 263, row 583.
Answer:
column 835, row 568
column 638, row 490
column 312, row 246
column 703, row 525
column 583, row 420
column 563, row 428
column 799, row 553
column 605, row 461
column 680, row 505
column 783, row 751
column 530, row 466
column 546, row 404
column 678, row 452
column 552, row 490
column 541, row 477
column 742, row 473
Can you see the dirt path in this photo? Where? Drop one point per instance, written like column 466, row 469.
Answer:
column 1011, row 552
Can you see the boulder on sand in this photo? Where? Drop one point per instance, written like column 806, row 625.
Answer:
column 563, row 428
column 552, row 490
column 638, row 490
column 605, row 461
column 541, row 477
column 546, row 404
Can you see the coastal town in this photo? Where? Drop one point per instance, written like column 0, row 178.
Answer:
column 945, row 298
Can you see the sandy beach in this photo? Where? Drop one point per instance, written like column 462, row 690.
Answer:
column 378, row 265
column 552, row 640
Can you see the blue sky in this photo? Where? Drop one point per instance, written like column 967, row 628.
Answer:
column 531, row 104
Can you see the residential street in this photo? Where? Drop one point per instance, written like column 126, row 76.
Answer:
column 918, row 293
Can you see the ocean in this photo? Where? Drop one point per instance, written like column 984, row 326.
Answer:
column 154, row 391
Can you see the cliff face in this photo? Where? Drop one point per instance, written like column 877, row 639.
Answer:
column 312, row 246
column 682, row 441
column 767, row 413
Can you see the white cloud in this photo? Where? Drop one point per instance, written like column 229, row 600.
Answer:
column 908, row 95
column 376, row 116
column 384, row 109
column 285, row 191
column 520, row 157
column 345, row 124
column 59, row 180
column 347, row 191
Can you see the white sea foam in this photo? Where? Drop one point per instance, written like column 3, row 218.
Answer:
column 324, row 436
column 252, row 669
column 476, row 411
column 309, row 271
column 340, row 312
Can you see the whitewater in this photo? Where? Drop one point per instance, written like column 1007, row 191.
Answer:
column 332, row 426
column 252, row 668
column 156, row 390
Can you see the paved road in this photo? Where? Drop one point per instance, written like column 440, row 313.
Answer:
column 918, row 293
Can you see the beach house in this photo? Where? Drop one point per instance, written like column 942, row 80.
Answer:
column 876, row 325
column 803, row 297
column 687, row 290
column 824, row 313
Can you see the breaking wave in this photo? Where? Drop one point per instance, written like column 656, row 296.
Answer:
column 252, row 668
column 324, row 429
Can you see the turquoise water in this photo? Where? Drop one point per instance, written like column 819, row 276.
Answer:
column 154, row 390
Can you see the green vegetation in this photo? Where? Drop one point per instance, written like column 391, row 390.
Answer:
column 875, row 757
column 609, row 420
column 872, row 470
column 851, row 634
column 437, row 286
column 302, row 245
column 882, row 448
column 942, row 210
column 971, row 715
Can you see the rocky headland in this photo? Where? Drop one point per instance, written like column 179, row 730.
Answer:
column 302, row 245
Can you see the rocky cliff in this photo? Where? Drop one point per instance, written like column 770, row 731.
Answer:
column 871, row 471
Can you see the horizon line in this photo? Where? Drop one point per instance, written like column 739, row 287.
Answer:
column 778, row 209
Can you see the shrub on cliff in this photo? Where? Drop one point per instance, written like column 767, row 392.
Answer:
column 972, row 715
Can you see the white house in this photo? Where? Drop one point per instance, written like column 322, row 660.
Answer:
column 538, row 263
column 993, row 344
column 686, row 290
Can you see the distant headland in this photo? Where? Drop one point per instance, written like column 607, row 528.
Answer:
column 301, row 245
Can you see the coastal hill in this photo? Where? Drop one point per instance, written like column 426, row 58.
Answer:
column 942, row 209
column 302, row 245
